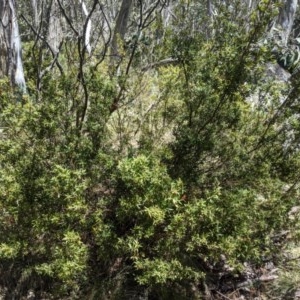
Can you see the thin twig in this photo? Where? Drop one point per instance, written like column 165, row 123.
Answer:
column 222, row 295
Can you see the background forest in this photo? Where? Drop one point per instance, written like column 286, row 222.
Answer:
column 149, row 149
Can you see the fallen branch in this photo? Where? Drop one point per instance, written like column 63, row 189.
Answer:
column 261, row 279
column 164, row 62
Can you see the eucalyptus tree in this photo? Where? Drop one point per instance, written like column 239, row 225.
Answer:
column 286, row 19
column 10, row 44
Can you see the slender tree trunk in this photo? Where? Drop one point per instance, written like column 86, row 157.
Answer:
column 286, row 19
column 3, row 41
column 10, row 44
column 209, row 7
column 120, row 27
column 34, row 9
column 55, row 28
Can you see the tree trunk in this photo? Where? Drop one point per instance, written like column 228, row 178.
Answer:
column 121, row 27
column 10, row 44
column 55, row 30
column 286, row 19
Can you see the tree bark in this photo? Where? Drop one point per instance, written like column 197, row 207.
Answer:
column 10, row 44
column 286, row 19
column 120, row 27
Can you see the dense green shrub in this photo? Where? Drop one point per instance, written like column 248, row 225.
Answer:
column 84, row 215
